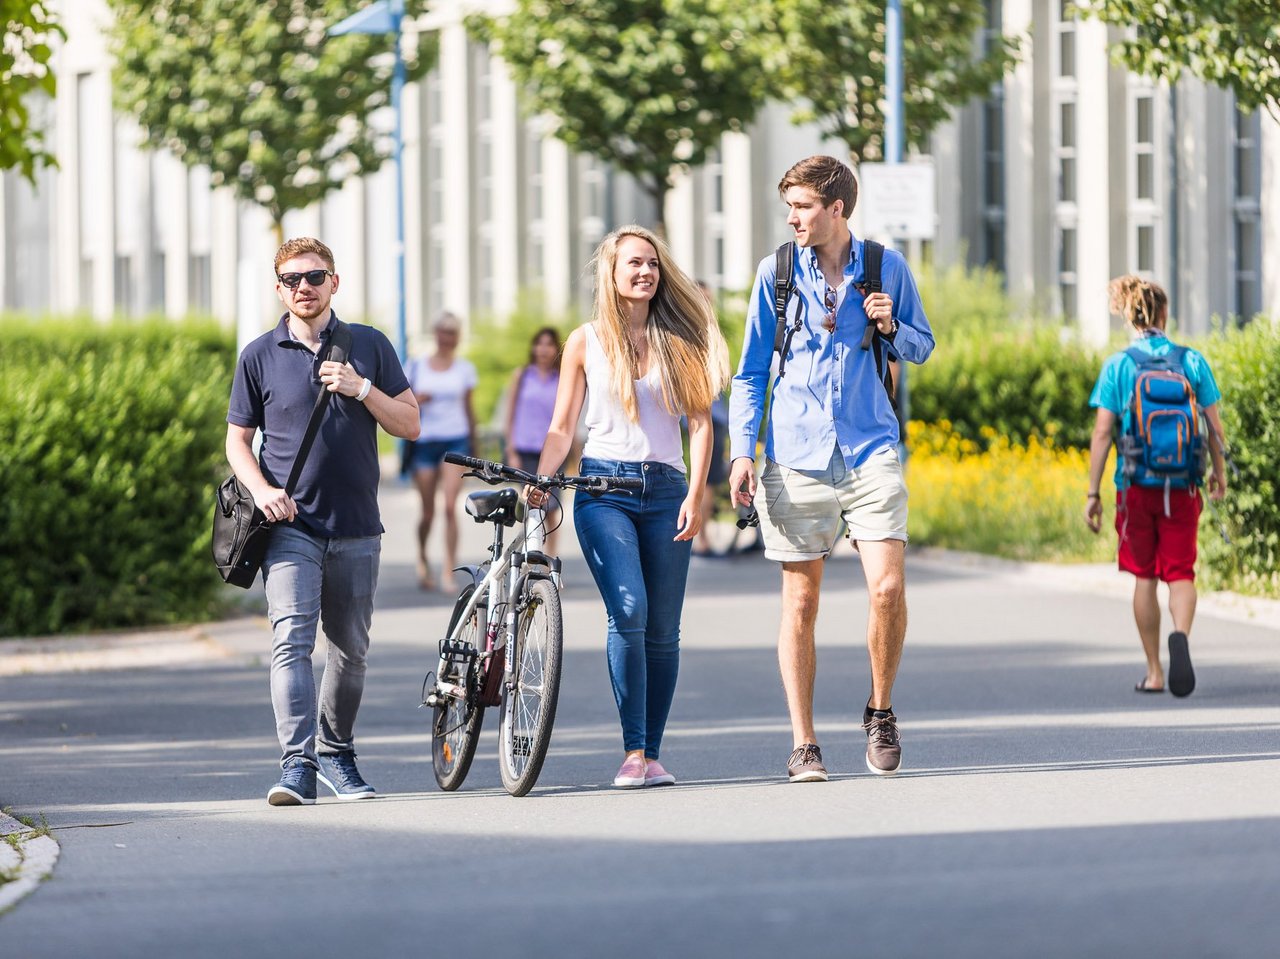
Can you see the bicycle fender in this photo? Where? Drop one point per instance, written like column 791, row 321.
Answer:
column 475, row 572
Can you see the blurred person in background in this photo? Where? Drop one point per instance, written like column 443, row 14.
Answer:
column 531, row 401
column 443, row 383
column 1156, row 525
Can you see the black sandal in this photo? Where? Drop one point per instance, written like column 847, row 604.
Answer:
column 1142, row 687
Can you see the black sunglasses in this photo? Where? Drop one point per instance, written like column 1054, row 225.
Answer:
column 314, row 277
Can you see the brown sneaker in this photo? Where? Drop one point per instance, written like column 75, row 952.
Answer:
column 884, row 745
column 805, row 765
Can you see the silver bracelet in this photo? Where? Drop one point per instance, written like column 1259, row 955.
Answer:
column 364, row 390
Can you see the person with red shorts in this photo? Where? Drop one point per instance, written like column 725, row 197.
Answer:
column 1157, row 527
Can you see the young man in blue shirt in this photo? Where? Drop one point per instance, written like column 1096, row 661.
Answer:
column 1157, row 527
column 322, row 557
column 831, row 449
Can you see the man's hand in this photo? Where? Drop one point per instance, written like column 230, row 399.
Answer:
column 1217, row 485
column 276, row 505
column 742, row 473
column 879, row 310
column 1093, row 514
column 341, row 378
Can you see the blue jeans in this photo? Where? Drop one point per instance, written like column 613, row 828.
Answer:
column 628, row 541
column 312, row 582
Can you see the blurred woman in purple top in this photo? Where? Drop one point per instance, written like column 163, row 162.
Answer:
column 532, row 393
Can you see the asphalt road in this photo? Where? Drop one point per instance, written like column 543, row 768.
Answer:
column 1044, row 809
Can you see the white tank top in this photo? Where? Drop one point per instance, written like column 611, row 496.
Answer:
column 611, row 435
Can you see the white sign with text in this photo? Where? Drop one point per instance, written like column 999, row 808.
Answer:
column 898, row 200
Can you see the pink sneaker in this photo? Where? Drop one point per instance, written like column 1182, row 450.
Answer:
column 631, row 774
column 655, row 775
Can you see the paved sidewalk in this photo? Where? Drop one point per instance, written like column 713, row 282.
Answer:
column 1042, row 809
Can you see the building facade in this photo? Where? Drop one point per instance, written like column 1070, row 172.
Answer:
column 1071, row 172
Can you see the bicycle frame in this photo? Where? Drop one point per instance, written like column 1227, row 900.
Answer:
column 516, row 565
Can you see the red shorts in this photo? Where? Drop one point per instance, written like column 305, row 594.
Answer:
column 1155, row 546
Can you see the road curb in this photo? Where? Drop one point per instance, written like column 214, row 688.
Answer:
column 33, row 858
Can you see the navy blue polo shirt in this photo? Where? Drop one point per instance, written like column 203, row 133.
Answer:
column 276, row 384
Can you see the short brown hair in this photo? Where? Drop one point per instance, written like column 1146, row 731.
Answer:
column 304, row 244
column 825, row 176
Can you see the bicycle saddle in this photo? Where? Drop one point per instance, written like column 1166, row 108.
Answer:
column 494, row 506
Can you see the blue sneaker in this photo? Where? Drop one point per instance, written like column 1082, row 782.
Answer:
column 297, row 786
column 338, row 772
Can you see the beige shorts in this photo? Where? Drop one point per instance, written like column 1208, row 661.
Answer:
column 800, row 510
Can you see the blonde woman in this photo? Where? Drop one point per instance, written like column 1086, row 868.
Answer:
column 1157, row 526
column 652, row 353
column 442, row 383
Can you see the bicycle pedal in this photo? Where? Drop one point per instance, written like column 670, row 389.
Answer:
column 458, row 651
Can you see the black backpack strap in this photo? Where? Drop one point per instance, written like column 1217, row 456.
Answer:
column 339, row 350
column 872, row 257
column 784, row 259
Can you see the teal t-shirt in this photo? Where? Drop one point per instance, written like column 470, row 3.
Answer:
column 1115, row 383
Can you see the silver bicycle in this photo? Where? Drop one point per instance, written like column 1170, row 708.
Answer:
column 505, row 640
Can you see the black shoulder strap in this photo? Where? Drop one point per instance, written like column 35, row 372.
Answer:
column 872, row 255
column 784, row 268
column 339, row 350
column 784, row 276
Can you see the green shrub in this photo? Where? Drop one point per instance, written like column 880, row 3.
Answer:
column 1246, row 364
column 112, row 441
column 1026, row 383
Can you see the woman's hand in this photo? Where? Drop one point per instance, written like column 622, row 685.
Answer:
column 690, row 519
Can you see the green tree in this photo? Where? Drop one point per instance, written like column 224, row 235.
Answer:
column 831, row 59
column 648, row 86
column 25, row 52
column 255, row 90
column 1230, row 43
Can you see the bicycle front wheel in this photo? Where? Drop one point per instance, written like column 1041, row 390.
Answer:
column 455, row 725
column 528, row 710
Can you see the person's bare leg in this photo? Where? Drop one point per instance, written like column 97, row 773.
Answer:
column 425, row 480
column 1146, row 614
column 883, row 566
column 797, row 658
column 451, row 484
column 1182, row 604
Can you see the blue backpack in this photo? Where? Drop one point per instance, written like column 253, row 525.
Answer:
column 1160, row 436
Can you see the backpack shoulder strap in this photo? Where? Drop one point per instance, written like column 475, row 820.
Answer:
column 872, row 257
column 784, row 268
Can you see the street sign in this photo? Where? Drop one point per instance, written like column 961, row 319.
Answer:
column 898, row 200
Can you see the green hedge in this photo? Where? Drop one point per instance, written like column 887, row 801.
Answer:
column 1246, row 364
column 112, row 440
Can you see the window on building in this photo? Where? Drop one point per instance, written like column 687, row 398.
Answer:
column 1144, row 149
column 1146, row 244
column 1067, row 273
column 993, row 172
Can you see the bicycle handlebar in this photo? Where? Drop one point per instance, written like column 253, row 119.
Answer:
column 494, row 473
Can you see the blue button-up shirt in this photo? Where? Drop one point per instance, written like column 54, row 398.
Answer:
column 829, row 395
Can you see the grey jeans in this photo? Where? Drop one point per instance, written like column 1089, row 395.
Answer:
column 317, row 583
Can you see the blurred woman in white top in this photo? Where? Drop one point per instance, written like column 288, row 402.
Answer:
column 652, row 353
column 443, row 383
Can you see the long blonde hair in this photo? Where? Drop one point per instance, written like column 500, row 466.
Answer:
column 684, row 338
column 1142, row 303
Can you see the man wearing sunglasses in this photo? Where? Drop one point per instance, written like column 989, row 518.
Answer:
column 831, row 452
column 322, row 557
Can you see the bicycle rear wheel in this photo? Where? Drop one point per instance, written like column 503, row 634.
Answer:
column 455, row 725
column 528, row 710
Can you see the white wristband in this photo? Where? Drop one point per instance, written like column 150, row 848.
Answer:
column 364, row 390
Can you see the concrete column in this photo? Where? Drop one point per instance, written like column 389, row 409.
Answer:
column 557, row 242
column 1093, row 177
column 509, row 192
column 173, row 193
column 681, row 222
column 740, row 257
column 456, row 109
column 1269, row 221
column 1021, row 183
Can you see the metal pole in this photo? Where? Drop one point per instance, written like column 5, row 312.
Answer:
column 397, row 91
column 893, row 138
column 893, row 81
